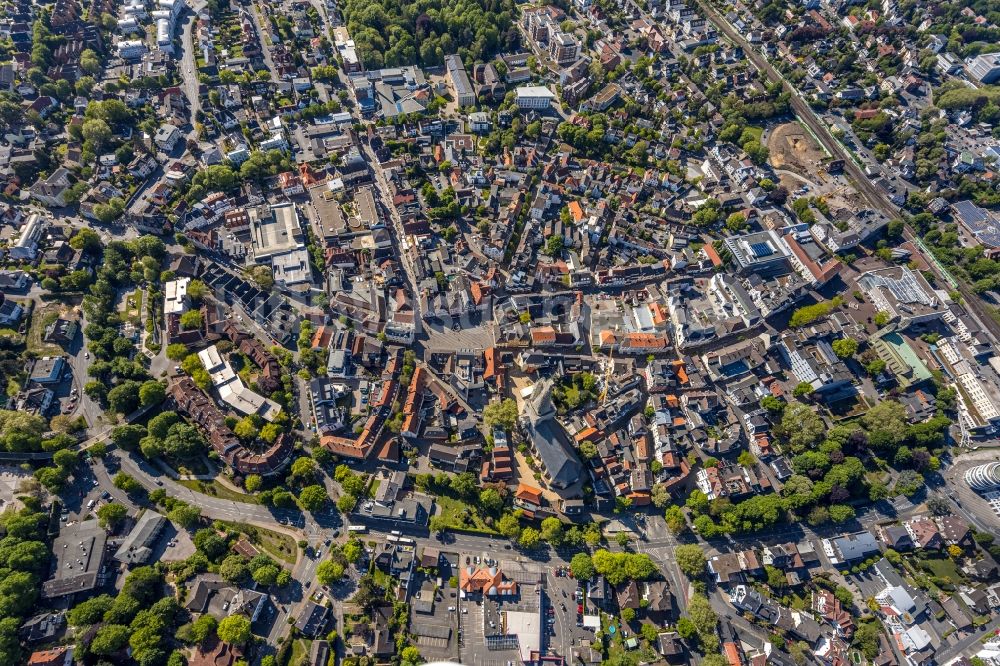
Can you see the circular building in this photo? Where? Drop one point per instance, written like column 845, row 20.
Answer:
column 984, row 477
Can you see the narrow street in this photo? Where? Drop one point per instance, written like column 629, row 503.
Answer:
column 396, row 229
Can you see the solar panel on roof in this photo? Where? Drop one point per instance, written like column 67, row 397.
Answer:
column 760, row 249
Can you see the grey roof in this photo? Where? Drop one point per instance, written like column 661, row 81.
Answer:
column 136, row 547
column 856, row 546
column 562, row 464
column 313, row 619
column 78, row 553
column 432, row 631
column 459, row 77
column 549, row 439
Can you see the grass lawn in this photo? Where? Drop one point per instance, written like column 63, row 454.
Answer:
column 381, row 578
column 42, row 316
column 943, row 567
column 299, row 651
column 756, row 131
column 279, row 546
column 133, row 306
column 196, row 466
column 216, row 489
column 459, row 515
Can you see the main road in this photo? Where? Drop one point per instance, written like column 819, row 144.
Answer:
column 189, row 64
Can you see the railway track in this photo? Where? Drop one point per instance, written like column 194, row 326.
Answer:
column 874, row 197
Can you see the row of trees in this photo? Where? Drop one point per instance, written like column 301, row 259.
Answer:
column 24, row 558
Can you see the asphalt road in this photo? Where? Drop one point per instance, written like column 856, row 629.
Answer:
column 188, row 65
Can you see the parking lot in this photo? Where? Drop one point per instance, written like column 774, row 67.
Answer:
column 436, row 631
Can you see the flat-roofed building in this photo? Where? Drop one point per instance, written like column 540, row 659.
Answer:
column 175, row 296
column 231, row 388
column 274, row 231
column 901, row 293
column 534, row 97
column 78, row 555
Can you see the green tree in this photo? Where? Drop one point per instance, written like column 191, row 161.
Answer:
column 202, row 629
column 346, row 502
column 552, row 531
column 253, row 482
column 410, row 656
column 90, row 611
column 705, row 621
column 802, row 389
column 582, row 566
column 587, row 449
column 866, row 639
column 329, row 572
column 554, row 245
column 185, row 515
column 529, row 539
column 111, row 515
column 313, row 498
column 109, row 639
column 676, row 521
column 509, row 526
column 501, row 414
column 234, row 569
column 490, row 500
column 810, row 313
column 191, row 320
column 841, row 513
column 845, row 347
column 152, row 393
column 266, row 575
column 802, row 426
column 691, row 559
column 124, row 398
column 177, row 351
column 234, row 629
column 96, row 133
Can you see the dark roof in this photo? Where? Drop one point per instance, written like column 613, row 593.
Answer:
column 313, row 619
column 561, row 463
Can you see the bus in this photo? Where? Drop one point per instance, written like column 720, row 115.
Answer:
column 402, row 540
column 357, row 529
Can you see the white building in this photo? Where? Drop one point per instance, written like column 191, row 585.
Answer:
column 31, row 234
column 984, row 68
column 232, row 391
column 167, row 137
column 534, row 97
column 131, row 49
column 175, row 301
